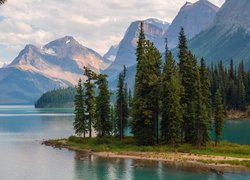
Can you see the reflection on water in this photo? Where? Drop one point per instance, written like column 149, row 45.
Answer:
column 23, row 157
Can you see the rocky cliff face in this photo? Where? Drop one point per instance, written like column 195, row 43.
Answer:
column 194, row 18
column 228, row 37
column 154, row 31
column 234, row 13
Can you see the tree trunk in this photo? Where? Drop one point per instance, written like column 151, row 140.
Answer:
column 90, row 125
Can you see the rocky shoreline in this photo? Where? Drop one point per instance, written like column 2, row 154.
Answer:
column 180, row 160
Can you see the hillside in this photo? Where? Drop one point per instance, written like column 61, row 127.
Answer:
column 59, row 98
column 36, row 70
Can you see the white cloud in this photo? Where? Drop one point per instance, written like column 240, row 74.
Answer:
column 97, row 24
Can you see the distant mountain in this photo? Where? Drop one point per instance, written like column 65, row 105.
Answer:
column 228, row 37
column 37, row 70
column 154, row 31
column 112, row 52
column 194, row 18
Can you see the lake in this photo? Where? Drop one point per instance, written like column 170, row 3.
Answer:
column 22, row 128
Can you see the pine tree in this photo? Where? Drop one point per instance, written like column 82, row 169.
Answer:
column 114, row 120
column 90, row 97
column 80, row 125
column 147, row 86
column 183, row 50
column 218, row 117
column 103, row 124
column 171, row 98
column 206, row 102
column 121, row 104
column 189, row 79
column 130, row 102
column 241, row 92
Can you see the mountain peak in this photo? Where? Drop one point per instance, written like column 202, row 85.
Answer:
column 194, row 17
column 234, row 13
column 187, row 4
column 207, row 4
column 62, row 42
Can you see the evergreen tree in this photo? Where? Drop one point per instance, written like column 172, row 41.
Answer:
column 218, row 117
column 146, row 92
column 130, row 101
column 206, row 102
column 200, row 133
column 80, row 125
column 241, row 92
column 183, row 50
column 121, row 104
column 189, row 74
column 90, row 97
column 103, row 124
column 114, row 120
column 171, row 98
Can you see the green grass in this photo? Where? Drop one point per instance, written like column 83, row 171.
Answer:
column 112, row 144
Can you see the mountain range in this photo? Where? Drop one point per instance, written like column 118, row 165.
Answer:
column 125, row 51
column 228, row 37
column 39, row 69
column 213, row 33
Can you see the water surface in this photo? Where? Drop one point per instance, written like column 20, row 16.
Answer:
column 22, row 157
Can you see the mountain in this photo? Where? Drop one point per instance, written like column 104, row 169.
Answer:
column 194, row 18
column 112, row 52
column 37, row 70
column 154, row 31
column 228, row 37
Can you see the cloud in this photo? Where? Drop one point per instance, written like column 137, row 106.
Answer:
column 96, row 24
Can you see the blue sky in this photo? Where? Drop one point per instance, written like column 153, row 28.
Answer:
column 97, row 24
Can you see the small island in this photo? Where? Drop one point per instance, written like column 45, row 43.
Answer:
column 225, row 157
column 171, row 114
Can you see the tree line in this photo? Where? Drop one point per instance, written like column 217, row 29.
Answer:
column 235, row 85
column 171, row 103
column 63, row 97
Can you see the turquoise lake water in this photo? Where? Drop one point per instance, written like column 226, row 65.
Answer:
column 22, row 157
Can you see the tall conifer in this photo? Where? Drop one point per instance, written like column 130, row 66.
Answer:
column 80, row 124
column 218, row 117
column 103, row 123
column 90, row 97
column 171, row 98
column 146, row 100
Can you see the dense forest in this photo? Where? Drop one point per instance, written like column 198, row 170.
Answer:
column 59, row 98
column 171, row 103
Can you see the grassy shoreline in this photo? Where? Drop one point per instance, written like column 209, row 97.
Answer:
column 226, row 156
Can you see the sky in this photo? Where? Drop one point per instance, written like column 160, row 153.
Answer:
column 96, row 24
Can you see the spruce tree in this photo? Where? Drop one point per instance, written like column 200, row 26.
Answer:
column 218, row 116
column 206, row 102
column 114, row 120
column 122, row 104
column 241, row 92
column 171, row 102
column 146, row 92
column 80, row 125
column 90, row 97
column 103, row 123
